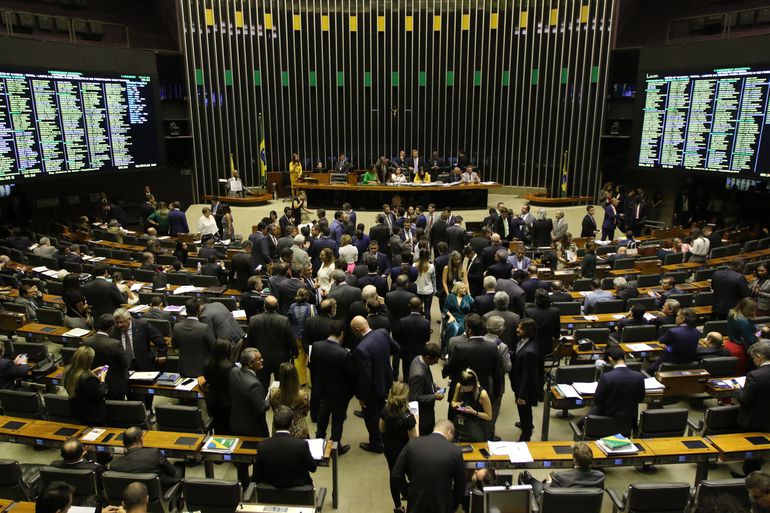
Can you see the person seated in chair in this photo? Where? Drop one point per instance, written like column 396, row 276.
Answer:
column 681, row 342
column 136, row 498
column 139, row 459
column 485, row 476
column 713, row 346
column 634, row 317
column 11, row 370
column 282, row 460
column 74, row 457
column 581, row 476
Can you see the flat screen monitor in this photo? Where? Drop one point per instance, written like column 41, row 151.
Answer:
column 713, row 121
column 513, row 499
column 58, row 123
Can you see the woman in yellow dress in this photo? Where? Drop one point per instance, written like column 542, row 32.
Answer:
column 295, row 170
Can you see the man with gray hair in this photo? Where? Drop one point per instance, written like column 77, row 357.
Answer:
column 560, row 226
column 484, row 303
column 495, row 326
column 301, row 257
column 668, row 313
column 138, row 338
column 624, row 291
column 44, row 248
column 516, row 295
column 754, row 399
column 510, row 319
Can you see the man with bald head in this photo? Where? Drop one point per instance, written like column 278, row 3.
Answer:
column 488, row 253
column 372, row 359
column 272, row 334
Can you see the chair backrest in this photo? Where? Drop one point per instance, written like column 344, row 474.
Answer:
column 663, row 328
column 119, row 254
column 733, row 249
column 582, row 285
column 673, row 258
column 50, row 316
column 171, row 364
column 712, row 487
column 174, row 417
column 661, row 423
column 669, row 366
column 638, row 333
column 720, row 326
column 647, row 302
column 764, row 243
column 678, row 276
column 751, row 245
column 658, row 497
column 624, row 263
column 35, row 351
column 109, row 236
column 584, row 500
column 597, row 426
column 595, row 335
column 648, row 280
column 606, row 250
column 178, row 278
column 721, row 420
column 115, row 482
column 568, row 307
column 165, row 259
column 82, row 480
column 66, row 354
column 50, row 263
column 229, row 302
column 54, row 287
column 102, row 252
column 57, row 408
column 296, row 495
column 161, row 325
column 12, row 486
column 17, row 256
column 15, row 307
column 144, row 275
column 21, row 403
column 211, row 495
column 611, row 306
column 721, row 366
column 704, row 274
column 178, row 300
column 124, row 414
column 203, row 280
column 607, row 283
column 704, row 298
column 568, row 374
column 146, row 297
column 685, row 300
column 33, row 259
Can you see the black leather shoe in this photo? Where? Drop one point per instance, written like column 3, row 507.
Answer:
column 525, row 478
column 494, row 438
column 342, row 449
column 518, row 425
column 371, row 448
column 736, row 475
column 359, row 414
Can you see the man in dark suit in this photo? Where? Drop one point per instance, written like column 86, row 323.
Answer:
column 383, row 263
column 271, row 333
column 485, row 302
column 322, row 241
column 343, row 164
column 754, row 399
column 558, row 294
column 516, row 295
column 482, row 241
column 669, row 287
column 729, row 286
column 414, row 333
column 73, row 456
column 397, row 302
column 260, row 249
column 456, row 236
column 375, row 376
column 474, row 271
column 526, row 376
column 344, row 295
column 588, row 228
column 222, row 324
column 581, row 476
column 434, row 469
column 373, row 277
column 331, row 368
column 681, row 342
column 11, row 370
column 177, row 221
column 213, row 268
column 438, row 232
column 208, row 250
column 532, row 284
column 502, row 268
column 282, row 460
column 241, row 269
column 140, row 459
column 381, row 232
column 668, row 313
column 103, row 296
column 504, row 225
column 488, row 253
column 547, row 322
column 415, row 163
column 110, row 352
column 194, row 341
column 143, row 343
column 288, row 288
column 511, row 320
column 611, row 219
column 422, row 388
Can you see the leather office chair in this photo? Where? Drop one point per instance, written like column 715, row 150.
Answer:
column 178, row 278
column 704, row 299
column 163, row 326
column 720, row 366
column 678, row 276
column 704, row 274
column 186, row 419
column 66, row 354
column 652, row 497
column 54, row 287
column 146, row 297
column 611, row 306
column 120, row 254
column 57, row 408
column 718, row 420
column 202, row 280
column 214, row 495
column 648, row 280
column 584, row 500
column 297, row 495
column 624, row 263
column 35, row 351
column 719, row 326
column 124, row 414
column 595, row 335
column 144, row 275
column 165, row 259
column 178, row 300
column 83, row 482
column 102, row 252
column 661, row 423
column 568, row 308
column 50, row 316
column 673, row 258
column 638, row 333
column 711, row 487
column 568, row 374
column 598, row 426
column 663, row 328
column 668, row 366
column 15, row 307
column 647, row 302
column 21, row 403
column 685, row 300
column 19, row 482
column 582, row 285
column 229, row 302
column 159, row 502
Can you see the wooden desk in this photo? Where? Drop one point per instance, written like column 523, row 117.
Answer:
column 689, row 449
column 49, row 434
column 373, row 196
column 4, row 503
column 742, row 446
column 55, row 378
column 10, row 427
column 55, row 333
column 110, row 441
column 175, row 445
column 21, row 507
column 580, row 321
column 598, row 350
column 117, row 245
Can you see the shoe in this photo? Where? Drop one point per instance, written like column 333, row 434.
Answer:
column 398, row 510
column 494, row 438
column 342, row 449
column 371, row 448
column 737, row 475
column 525, row 478
column 518, row 425
column 359, row 414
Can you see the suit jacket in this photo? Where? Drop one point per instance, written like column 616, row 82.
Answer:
column 143, row 336
column 221, row 322
column 416, row 166
column 483, row 303
column 422, row 390
column 273, row 335
column 754, row 413
column 343, row 166
column 588, row 227
column 526, row 373
column 414, row 333
column 333, row 371
column 560, row 297
column 500, row 270
column 103, row 296
column 516, row 295
column 284, row 461
column 381, row 234
column 146, row 459
column 475, row 275
column 610, row 218
column 577, row 478
column 372, row 357
column 478, row 244
column 319, row 245
column 548, row 327
column 315, row 328
column 619, row 393
column 110, row 352
column 287, row 290
column 380, row 283
column 530, row 286
column 559, row 228
column 438, row 233
column 435, row 472
column 456, row 238
column 260, row 251
column 345, row 295
column 240, row 271
column 246, row 391
column 482, row 357
column 681, row 345
column 522, row 264
column 729, row 287
column 541, row 232
column 195, row 343
column 9, row 373
column 398, row 307
column 511, row 322
column 177, row 222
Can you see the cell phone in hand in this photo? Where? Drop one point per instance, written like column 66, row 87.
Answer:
column 462, row 409
column 441, row 391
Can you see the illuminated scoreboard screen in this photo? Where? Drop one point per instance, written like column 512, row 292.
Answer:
column 56, row 123
column 714, row 122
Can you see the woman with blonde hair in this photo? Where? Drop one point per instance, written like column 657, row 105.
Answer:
column 86, row 388
column 397, row 425
column 740, row 328
column 348, row 252
column 457, row 305
column 290, row 395
column 472, row 406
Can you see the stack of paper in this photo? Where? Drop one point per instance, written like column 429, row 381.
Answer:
column 77, row 332
column 619, row 316
column 568, row 391
column 144, row 376
column 585, row 388
column 183, row 289
column 239, row 313
column 590, row 317
column 616, row 445
column 139, row 308
column 517, row 452
column 136, row 286
column 178, row 309
column 316, row 448
column 93, row 434
column 219, row 444
column 640, row 347
column 653, row 385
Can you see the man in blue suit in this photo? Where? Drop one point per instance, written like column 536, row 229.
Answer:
column 177, row 221
column 681, row 342
column 375, row 376
column 520, row 260
column 620, row 390
column 610, row 220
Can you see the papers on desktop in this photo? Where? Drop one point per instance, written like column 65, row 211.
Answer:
column 585, row 388
column 568, row 391
column 136, row 286
column 653, row 384
column 316, row 448
column 741, row 380
column 76, row 332
column 648, row 316
column 619, row 316
column 517, row 452
column 139, row 308
column 92, row 435
column 187, row 288
column 590, row 317
column 239, row 313
column 640, row 347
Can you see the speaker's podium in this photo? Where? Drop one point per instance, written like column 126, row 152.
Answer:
column 234, row 193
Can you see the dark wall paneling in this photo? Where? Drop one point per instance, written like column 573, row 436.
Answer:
column 518, row 84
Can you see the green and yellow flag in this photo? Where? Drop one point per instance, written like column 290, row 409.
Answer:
column 232, row 164
column 262, row 156
column 564, row 175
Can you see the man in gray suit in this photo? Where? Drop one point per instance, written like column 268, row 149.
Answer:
column 222, row 324
column 422, row 388
column 581, row 476
column 194, row 341
column 560, row 226
column 511, row 320
column 516, row 295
